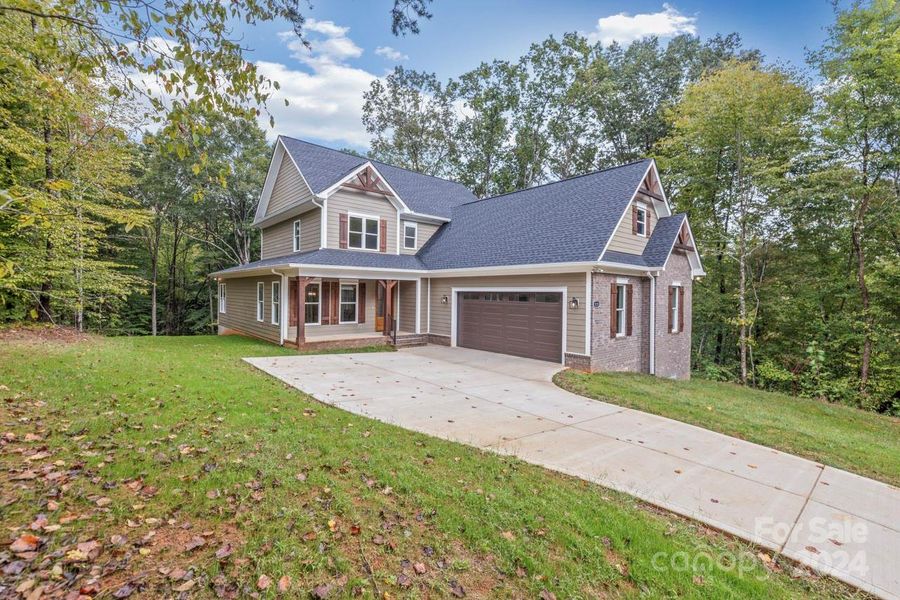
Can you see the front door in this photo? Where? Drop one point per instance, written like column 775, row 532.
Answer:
column 379, row 308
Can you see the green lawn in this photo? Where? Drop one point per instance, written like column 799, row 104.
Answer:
column 863, row 442
column 169, row 451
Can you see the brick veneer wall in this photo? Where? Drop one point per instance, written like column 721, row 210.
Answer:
column 673, row 350
column 629, row 353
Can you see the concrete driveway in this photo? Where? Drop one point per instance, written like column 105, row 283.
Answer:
column 826, row 518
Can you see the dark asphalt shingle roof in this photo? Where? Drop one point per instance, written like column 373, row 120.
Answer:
column 566, row 221
column 332, row 257
column 323, row 167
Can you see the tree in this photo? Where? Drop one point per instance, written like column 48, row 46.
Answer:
column 860, row 131
column 411, row 118
column 736, row 135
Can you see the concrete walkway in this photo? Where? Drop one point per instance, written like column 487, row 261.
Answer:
column 834, row 521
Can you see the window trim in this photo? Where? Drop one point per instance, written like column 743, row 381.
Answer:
column 415, row 227
column 341, row 303
column 275, row 303
column 621, row 314
column 222, row 298
column 318, row 304
column 674, row 308
column 296, row 236
column 260, row 301
column 641, row 210
column 364, row 217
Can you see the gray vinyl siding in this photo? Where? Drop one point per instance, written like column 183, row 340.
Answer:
column 289, row 188
column 426, row 230
column 625, row 241
column 363, row 204
column 277, row 239
column 575, row 284
column 407, row 306
column 240, row 308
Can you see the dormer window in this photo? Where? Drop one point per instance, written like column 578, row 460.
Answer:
column 640, row 221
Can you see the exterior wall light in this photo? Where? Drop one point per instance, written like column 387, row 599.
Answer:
column 573, row 303
column 444, row 299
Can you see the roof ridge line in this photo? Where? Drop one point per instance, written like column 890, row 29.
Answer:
column 596, row 172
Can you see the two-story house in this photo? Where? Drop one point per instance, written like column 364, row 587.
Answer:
column 593, row 271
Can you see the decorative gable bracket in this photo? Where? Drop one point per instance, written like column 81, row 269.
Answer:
column 367, row 181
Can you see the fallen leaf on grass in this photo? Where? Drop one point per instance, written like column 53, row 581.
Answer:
column 263, row 582
column 194, row 543
column 224, row 552
column 284, row 584
column 509, row 535
column 186, row 586
column 547, row 595
column 25, row 543
column 456, row 589
column 320, row 592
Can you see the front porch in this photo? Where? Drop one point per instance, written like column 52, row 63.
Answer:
column 350, row 312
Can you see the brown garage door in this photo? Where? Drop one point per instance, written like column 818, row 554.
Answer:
column 518, row 323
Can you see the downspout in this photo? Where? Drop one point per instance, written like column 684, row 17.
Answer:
column 323, row 221
column 652, row 365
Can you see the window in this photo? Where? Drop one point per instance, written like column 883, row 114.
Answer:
column 260, row 300
column 620, row 309
column 641, row 221
column 410, row 231
column 311, row 304
column 276, row 302
column 221, row 297
column 348, row 303
column 363, row 233
column 296, row 235
column 674, row 299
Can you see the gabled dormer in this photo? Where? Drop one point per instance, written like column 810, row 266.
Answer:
column 646, row 208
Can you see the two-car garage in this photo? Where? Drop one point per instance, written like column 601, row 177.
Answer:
column 526, row 323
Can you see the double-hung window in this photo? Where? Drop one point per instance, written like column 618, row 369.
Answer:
column 348, row 303
column 620, row 309
column 221, row 297
column 311, row 304
column 640, row 226
column 260, row 300
column 363, row 233
column 276, row 302
column 410, row 233
column 295, row 235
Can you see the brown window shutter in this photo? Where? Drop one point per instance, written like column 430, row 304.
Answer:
column 669, row 306
column 612, row 310
column 382, row 234
column 335, row 302
column 325, row 303
column 629, row 307
column 680, row 309
column 361, row 303
column 344, row 230
column 634, row 218
column 292, row 303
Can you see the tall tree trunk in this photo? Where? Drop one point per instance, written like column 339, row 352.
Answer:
column 859, row 252
column 742, row 258
column 43, row 307
column 154, row 272
column 171, row 298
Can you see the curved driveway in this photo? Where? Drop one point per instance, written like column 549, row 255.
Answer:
column 831, row 520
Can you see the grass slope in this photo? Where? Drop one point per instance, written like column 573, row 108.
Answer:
column 844, row 437
column 167, row 451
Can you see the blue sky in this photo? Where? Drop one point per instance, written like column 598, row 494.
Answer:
column 352, row 44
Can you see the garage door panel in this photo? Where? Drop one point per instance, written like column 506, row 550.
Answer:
column 514, row 323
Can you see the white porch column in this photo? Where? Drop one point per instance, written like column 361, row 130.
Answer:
column 419, row 305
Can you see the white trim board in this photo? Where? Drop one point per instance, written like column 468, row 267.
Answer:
column 454, row 292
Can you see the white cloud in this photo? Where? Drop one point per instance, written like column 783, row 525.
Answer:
column 325, row 93
column 625, row 29
column 390, row 53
